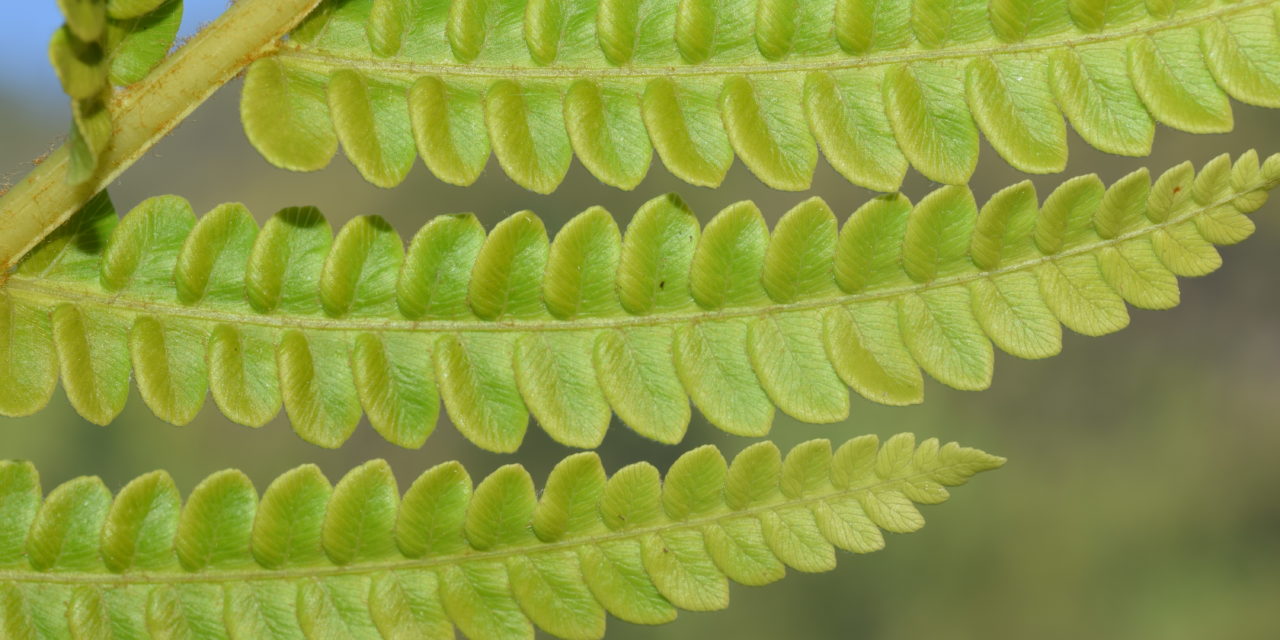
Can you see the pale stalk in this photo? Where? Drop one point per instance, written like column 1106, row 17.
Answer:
column 142, row 115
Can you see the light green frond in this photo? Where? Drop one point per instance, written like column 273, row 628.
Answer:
column 875, row 86
column 358, row 560
column 508, row 326
column 106, row 43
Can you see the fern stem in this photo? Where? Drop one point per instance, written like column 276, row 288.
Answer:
column 142, row 115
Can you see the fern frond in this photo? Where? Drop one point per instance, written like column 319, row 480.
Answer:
column 877, row 86
column 359, row 560
column 106, row 43
column 503, row 326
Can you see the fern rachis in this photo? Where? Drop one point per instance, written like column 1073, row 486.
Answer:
column 139, row 117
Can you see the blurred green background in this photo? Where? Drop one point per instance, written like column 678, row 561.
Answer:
column 1140, row 498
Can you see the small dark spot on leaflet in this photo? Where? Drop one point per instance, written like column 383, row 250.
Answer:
column 1177, row 189
column 662, row 284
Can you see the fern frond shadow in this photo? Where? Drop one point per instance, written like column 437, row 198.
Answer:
column 508, row 324
column 360, row 560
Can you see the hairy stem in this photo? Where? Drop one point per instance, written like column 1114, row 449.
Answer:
column 142, row 115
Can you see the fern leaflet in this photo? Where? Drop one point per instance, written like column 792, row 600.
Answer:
column 877, row 86
column 502, row 326
column 358, row 560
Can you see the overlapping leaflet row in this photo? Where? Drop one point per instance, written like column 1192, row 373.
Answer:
column 360, row 560
column 876, row 86
column 502, row 325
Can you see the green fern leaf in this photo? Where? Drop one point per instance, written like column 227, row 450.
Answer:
column 358, row 560
column 596, row 322
column 892, row 84
column 105, row 44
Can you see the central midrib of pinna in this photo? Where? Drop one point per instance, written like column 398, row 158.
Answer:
column 50, row 293
column 308, row 56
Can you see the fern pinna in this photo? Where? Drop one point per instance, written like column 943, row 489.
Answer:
column 359, row 560
column 508, row 325
column 877, row 86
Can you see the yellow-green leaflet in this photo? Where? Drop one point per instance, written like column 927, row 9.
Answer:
column 498, row 328
column 874, row 86
column 105, row 44
column 358, row 559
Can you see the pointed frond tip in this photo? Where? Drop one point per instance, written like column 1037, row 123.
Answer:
column 106, row 43
column 502, row 325
column 360, row 560
column 877, row 87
